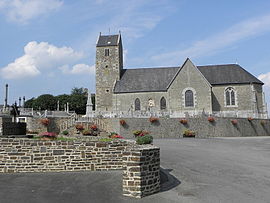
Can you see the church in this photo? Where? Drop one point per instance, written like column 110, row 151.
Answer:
column 221, row 90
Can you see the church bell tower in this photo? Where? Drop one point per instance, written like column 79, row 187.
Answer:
column 109, row 64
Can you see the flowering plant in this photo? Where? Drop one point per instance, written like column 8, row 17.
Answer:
column 86, row 132
column 93, row 127
column 49, row 135
column 136, row 132
column 79, row 127
column 211, row 119
column 153, row 119
column 183, row 121
column 122, row 122
column 250, row 119
column 45, row 121
column 263, row 122
column 189, row 133
column 234, row 122
column 115, row 135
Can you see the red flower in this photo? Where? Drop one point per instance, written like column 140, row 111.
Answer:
column 122, row 122
column 211, row 119
column 234, row 122
column 183, row 121
column 153, row 119
column 45, row 121
column 250, row 118
column 93, row 127
column 48, row 135
column 79, row 127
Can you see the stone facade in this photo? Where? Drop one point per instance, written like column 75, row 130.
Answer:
column 141, row 164
column 108, row 70
column 208, row 94
column 141, row 176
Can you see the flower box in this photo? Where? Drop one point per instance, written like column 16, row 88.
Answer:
column 211, row 119
column 48, row 135
column 45, row 121
column 94, row 127
column 250, row 119
column 183, row 121
column 122, row 122
column 263, row 122
column 189, row 133
column 153, row 119
column 79, row 127
column 234, row 122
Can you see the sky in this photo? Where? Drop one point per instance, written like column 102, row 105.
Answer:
column 48, row 46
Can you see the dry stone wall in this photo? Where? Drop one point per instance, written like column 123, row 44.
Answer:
column 141, row 164
column 141, row 176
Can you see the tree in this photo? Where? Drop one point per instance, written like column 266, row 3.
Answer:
column 45, row 102
column 77, row 103
column 29, row 103
column 79, row 91
column 63, row 100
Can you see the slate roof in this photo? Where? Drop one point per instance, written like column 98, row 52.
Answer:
column 227, row 74
column 145, row 80
column 107, row 40
column 158, row 79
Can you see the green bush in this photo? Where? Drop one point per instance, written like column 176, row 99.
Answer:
column 147, row 139
column 65, row 132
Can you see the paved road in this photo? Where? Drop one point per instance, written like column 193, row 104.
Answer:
column 224, row 170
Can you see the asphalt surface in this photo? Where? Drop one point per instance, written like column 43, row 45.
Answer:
column 218, row 170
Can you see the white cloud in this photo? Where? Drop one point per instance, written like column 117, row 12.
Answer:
column 38, row 57
column 208, row 46
column 22, row 11
column 265, row 78
column 78, row 69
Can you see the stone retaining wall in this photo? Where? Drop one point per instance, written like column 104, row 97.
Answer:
column 140, row 163
column 172, row 128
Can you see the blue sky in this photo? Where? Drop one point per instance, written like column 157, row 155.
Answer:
column 48, row 46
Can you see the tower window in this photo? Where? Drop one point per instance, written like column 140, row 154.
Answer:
column 107, row 52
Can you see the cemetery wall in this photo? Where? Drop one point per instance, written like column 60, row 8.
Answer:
column 172, row 128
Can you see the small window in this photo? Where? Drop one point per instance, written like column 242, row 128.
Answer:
column 189, row 99
column 107, row 90
column 162, row 103
column 230, row 96
column 137, row 105
column 106, row 66
column 107, row 52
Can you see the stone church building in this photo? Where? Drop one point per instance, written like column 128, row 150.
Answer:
column 221, row 90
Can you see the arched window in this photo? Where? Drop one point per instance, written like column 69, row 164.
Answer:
column 189, row 99
column 162, row 103
column 137, row 105
column 230, row 95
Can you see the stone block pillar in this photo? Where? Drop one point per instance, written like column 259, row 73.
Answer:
column 141, row 175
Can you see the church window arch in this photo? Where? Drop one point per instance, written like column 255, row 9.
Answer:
column 137, row 104
column 230, row 96
column 163, row 103
column 189, row 98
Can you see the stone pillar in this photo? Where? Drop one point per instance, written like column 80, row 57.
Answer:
column 141, row 176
